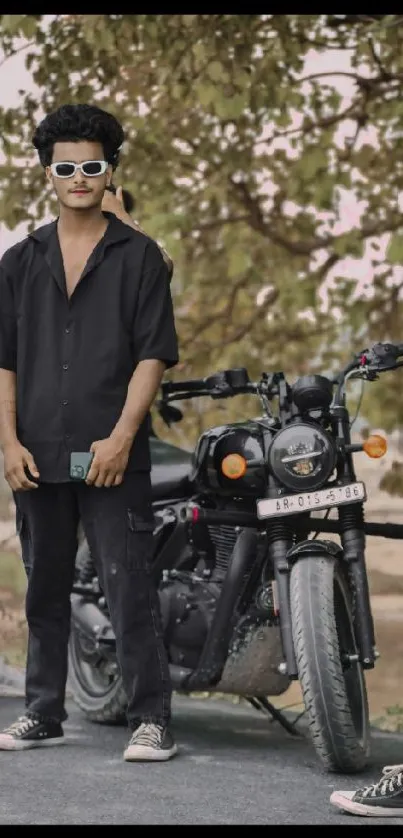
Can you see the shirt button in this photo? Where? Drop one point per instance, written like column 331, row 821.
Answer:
column 65, row 366
column 67, row 436
column 65, row 402
column 67, row 330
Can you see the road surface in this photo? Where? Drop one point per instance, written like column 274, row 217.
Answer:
column 234, row 767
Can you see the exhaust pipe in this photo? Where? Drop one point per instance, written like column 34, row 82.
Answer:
column 215, row 651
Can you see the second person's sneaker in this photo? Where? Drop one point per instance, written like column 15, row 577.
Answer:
column 150, row 742
column 383, row 799
column 30, row 732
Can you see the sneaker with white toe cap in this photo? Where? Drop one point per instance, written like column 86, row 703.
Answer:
column 150, row 742
column 383, row 799
column 31, row 732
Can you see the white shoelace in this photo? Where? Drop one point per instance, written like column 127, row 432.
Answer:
column 391, row 780
column 147, row 735
column 21, row 726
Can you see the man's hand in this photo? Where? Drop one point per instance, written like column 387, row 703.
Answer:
column 109, row 462
column 16, row 460
column 114, row 203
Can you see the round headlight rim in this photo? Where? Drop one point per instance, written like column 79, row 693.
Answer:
column 304, row 482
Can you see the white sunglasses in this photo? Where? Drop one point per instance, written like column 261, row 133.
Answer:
column 90, row 168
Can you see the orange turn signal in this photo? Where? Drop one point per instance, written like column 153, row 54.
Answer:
column 375, row 446
column 233, row 466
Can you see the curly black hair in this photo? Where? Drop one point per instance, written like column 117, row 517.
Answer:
column 72, row 123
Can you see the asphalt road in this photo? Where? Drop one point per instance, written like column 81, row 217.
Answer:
column 234, row 767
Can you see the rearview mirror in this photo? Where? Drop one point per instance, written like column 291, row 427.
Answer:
column 168, row 413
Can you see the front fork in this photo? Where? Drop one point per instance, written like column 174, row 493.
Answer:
column 280, row 542
column 353, row 543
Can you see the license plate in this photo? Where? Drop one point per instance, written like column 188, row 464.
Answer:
column 306, row 501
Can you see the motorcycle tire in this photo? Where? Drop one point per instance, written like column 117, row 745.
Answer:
column 331, row 678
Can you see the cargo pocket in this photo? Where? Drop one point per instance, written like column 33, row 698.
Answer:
column 140, row 542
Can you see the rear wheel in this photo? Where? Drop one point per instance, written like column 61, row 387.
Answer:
column 95, row 683
column 331, row 678
column 94, row 679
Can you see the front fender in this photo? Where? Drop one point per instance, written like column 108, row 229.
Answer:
column 314, row 547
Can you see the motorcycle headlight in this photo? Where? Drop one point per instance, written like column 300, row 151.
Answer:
column 302, row 456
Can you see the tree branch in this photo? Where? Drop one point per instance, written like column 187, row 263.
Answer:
column 305, row 248
column 258, row 223
column 325, row 122
column 16, row 51
column 329, row 73
column 259, row 314
column 221, row 222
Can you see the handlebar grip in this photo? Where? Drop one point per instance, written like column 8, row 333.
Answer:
column 191, row 385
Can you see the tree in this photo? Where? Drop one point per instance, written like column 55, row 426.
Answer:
column 234, row 154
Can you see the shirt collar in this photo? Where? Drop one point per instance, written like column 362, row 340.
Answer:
column 48, row 241
column 116, row 231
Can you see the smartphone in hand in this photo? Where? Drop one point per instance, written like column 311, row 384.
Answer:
column 80, row 463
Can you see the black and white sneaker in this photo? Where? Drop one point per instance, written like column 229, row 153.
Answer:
column 383, row 799
column 150, row 742
column 30, row 732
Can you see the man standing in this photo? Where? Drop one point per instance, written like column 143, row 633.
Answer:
column 86, row 333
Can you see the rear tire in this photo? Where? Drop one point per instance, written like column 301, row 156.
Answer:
column 95, row 687
column 104, row 703
column 334, row 690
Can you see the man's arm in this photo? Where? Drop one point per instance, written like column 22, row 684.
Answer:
column 142, row 390
column 8, row 418
column 156, row 349
column 16, row 457
column 8, row 360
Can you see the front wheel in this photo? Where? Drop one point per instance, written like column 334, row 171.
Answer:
column 331, row 678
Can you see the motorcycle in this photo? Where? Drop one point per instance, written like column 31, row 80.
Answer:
column 251, row 599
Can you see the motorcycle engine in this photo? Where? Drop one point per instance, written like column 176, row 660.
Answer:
column 188, row 601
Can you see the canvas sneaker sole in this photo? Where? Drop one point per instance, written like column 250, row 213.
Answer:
column 10, row 744
column 343, row 800
column 142, row 753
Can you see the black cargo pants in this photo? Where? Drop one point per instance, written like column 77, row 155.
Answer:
column 118, row 523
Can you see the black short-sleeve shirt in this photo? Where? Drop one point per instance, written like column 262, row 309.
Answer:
column 74, row 358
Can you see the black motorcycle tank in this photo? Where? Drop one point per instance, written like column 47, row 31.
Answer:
column 245, row 439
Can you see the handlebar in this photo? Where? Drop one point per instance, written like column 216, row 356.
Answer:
column 189, row 386
column 221, row 384
column 366, row 364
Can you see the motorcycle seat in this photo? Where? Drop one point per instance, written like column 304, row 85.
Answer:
column 170, row 470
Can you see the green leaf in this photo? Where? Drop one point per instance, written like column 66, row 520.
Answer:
column 12, row 24
column 394, row 250
column 311, row 162
column 29, row 26
column 238, row 263
column 231, row 108
column 215, row 71
column 207, row 94
column 349, row 244
column 323, row 194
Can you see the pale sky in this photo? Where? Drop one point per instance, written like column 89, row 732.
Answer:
column 14, row 76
